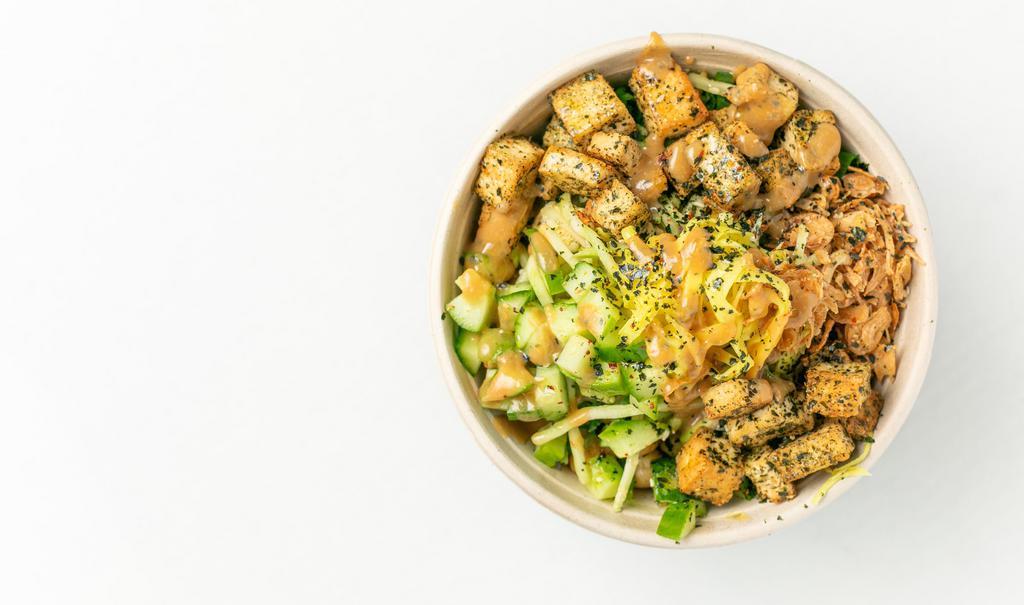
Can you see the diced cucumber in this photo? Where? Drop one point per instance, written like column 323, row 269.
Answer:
column 562, row 319
column 604, row 473
column 626, row 437
column 580, row 279
column 613, row 348
column 647, row 407
column 553, row 452
column 597, row 314
column 678, row 520
column 534, row 336
column 555, row 283
column 522, row 409
column 467, row 349
column 492, row 343
column 644, row 381
column 664, row 481
column 549, row 393
column 511, row 378
column 538, row 280
column 474, row 309
column 608, row 379
column 587, row 393
column 574, row 360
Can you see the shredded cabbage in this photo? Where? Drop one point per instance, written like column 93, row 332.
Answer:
column 849, row 469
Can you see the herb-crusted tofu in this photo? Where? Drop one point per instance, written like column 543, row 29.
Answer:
column 766, row 478
column 666, row 97
column 615, row 207
column 838, row 390
column 706, row 155
column 812, row 139
column 863, row 424
column 783, row 180
column 736, row 397
column 777, row 419
column 575, row 172
column 509, row 165
column 709, row 467
column 589, row 104
column 812, row 452
column 617, row 149
column 555, row 135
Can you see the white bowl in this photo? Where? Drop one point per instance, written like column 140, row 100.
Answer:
column 559, row 490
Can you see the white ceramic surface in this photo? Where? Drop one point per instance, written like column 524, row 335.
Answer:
column 559, row 490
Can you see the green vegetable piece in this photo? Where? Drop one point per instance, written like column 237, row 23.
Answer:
column 467, row 349
column 553, row 452
column 562, row 318
column 549, row 393
column 664, row 482
column 644, row 381
column 604, row 473
column 473, row 309
column 574, row 360
column 581, row 279
column 608, row 380
column 678, row 520
column 626, row 437
column 724, row 76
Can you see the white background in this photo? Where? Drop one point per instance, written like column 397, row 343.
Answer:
column 217, row 383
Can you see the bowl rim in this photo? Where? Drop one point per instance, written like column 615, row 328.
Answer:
column 926, row 277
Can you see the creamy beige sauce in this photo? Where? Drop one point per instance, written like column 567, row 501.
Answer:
column 820, row 148
column 750, row 144
column 497, row 233
column 787, row 190
column 648, row 181
column 682, row 158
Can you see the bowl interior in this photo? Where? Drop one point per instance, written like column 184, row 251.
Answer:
column 558, row 489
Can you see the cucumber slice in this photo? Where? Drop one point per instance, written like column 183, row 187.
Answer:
column 511, row 305
column 534, row 336
column 511, row 378
column 604, row 472
column 580, row 280
column 522, row 409
column 467, row 349
column 553, row 452
column 549, row 393
column 562, row 320
column 598, row 315
column 608, row 380
column 595, row 396
column 644, row 381
column 574, row 360
column 475, row 308
column 613, row 348
column 492, row 343
column 626, row 437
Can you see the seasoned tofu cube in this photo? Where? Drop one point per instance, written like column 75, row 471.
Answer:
column 665, row 95
column 783, row 180
column 617, row 149
column 863, row 424
column 509, row 165
column 837, row 390
column 812, row 139
column 555, row 135
column 812, row 452
column 736, row 397
column 669, row 103
column 766, row 478
column 777, row 419
column 546, row 188
column 615, row 207
column 744, row 139
column 575, row 172
column 709, row 467
column 705, row 154
column 589, row 104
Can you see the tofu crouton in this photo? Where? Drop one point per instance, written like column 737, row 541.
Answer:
column 617, row 149
column 509, row 165
column 546, row 189
column 744, row 139
column 555, row 135
column 783, row 180
column 575, row 172
column 715, row 162
column 589, row 104
column 709, row 467
column 664, row 93
column 863, row 424
column 777, row 419
column 766, row 479
column 837, row 390
column 812, row 139
column 616, row 207
column 736, row 397
column 812, row 452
